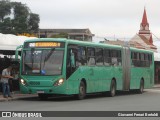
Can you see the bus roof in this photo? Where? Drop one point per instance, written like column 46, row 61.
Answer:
column 71, row 41
column 140, row 50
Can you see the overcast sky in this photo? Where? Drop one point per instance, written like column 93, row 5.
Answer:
column 120, row 18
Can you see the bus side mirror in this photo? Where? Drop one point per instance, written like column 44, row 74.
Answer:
column 72, row 59
column 16, row 53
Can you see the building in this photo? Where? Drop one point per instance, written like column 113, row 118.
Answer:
column 124, row 43
column 144, row 37
column 77, row 34
column 142, row 40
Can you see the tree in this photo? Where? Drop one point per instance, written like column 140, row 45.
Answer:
column 5, row 9
column 33, row 22
column 6, row 26
column 20, row 9
column 20, row 21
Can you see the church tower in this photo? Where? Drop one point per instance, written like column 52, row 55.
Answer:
column 144, row 26
column 143, row 39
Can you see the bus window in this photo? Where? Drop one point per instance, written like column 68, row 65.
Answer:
column 52, row 62
column 132, row 57
column 136, row 56
column 138, row 59
column 150, row 59
column 99, row 56
column 135, row 59
column 142, row 57
column 91, row 56
column 147, row 60
column 119, row 58
column 142, row 60
column 81, row 57
column 107, row 57
column 42, row 62
column 114, row 57
column 72, row 51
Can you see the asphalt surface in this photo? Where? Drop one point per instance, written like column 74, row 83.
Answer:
column 123, row 101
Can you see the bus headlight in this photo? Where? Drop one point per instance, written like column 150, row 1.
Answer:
column 23, row 82
column 59, row 82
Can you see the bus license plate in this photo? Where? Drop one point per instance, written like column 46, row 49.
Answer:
column 40, row 91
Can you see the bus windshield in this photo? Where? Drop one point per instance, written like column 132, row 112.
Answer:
column 42, row 62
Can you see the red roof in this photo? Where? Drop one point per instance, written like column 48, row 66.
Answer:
column 150, row 39
column 144, row 39
column 144, row 19
column 148, row 42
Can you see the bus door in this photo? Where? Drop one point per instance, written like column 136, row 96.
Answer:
column 126, row 68
column 71, row 55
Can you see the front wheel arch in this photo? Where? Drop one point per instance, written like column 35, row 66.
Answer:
column 81, row 90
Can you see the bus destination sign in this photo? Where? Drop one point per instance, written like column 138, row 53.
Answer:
column 44, row 44
column 47, row 44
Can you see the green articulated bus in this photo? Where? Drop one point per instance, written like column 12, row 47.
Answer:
column 58, row 66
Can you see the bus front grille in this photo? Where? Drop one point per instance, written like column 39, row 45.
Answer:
column 34, row 83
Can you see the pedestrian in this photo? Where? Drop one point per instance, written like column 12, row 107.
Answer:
column 6, row 75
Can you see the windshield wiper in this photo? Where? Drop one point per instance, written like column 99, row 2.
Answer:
column 32, row 59
column 48, row 56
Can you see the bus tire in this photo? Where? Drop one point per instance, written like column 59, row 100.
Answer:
column 82, row 91
column 43, row 96
column 112, row 91
column 141, row 88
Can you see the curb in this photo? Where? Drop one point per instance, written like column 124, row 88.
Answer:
column 7, row 99
column 16, row 98
column 156, row 86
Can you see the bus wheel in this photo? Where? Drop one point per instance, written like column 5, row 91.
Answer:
column 141, row 88
column 82, row 91
column 43, row 96
column 112, row 89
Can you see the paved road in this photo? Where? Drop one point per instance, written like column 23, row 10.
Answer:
column 148, row 101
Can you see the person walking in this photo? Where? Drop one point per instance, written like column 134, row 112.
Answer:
column 6, row 75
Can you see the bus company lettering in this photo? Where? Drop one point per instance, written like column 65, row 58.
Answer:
column 14, row 114
column 34, row 115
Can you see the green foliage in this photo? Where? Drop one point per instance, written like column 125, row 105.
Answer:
column 5, row 9
column 20, row 9
column 6, row 26
column 61, row 35
column 20, row 21
column 33, row 20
